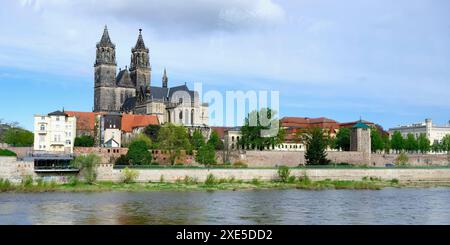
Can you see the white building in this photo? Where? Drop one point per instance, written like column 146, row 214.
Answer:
column 54, row 133
column 434, row 133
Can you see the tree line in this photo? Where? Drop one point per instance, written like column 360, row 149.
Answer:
column 173, row 140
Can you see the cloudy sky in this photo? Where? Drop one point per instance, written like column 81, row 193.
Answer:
column 386, row 61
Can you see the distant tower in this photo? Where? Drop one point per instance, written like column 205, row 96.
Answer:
column 429, row 126
column 165, row 79
column 105, row 75
column 140, row 69
column 360, row 138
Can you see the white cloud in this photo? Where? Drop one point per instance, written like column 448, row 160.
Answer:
column 173, row 15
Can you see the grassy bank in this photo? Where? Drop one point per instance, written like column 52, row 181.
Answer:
column 189, row 184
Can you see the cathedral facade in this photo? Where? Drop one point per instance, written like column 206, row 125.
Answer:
column 130, row 91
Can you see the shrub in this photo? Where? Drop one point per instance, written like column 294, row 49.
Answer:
column 189, row 180
column 138, row 153
column 122, row 160
column 5, row 185
column 73, row 181
column 394, row 181
column 7, row 153
column 88, row 166
column 291, row 179
column 161, row 178
column 129, row 175
column 283, row 173
column 239, row 164
column 255, row 181
column 84, row 141
column 210, row 179
column 27, row 181
column 402, row 159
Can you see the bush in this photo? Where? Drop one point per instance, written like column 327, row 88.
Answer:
column 210, row 179
column 129, row 175
column 122, row 160
column 402, row 159
column 84, row 141
column 27, row 181
column 5, row 185
column 73, row 181
column 239, row 164
column 138, row 153
column 7, row 153
column 189, row 180
column 284, row 173
column 88, row 166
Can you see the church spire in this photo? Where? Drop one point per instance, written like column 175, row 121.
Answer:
column 105, row 41
column 140, row 45
column 165, row 79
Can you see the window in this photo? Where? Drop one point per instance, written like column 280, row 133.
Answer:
column 181, row 115
column 68, row 142
column 42, row 127
column 57, row 119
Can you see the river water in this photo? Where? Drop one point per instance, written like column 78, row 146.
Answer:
column 387, row 206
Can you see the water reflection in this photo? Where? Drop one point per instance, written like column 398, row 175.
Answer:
column 389, row 206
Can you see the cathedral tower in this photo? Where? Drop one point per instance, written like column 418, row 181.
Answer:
column 140, row 69
column 105, row 75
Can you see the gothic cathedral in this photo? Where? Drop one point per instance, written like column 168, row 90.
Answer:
column 130, row 90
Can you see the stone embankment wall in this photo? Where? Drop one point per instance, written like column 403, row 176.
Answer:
column 107, row 173
column 15, row 170
column 291, row 158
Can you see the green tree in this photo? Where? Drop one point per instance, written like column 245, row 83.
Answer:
column 144, row 138
column 397, row 142
column 411, row 143
column 342, row 141
column 316, row 144
column 386, row 143
column 215, row 141
column 436, row 147
column 197, row 140
column 138, row 153
column 256, row 123
column 376, row 140
column 84, row 141
column 88, row 166
column 446, row 143
column 206, row 154
column 18, row 137
column 423, row 143
column 152, row 132
column 173, row 139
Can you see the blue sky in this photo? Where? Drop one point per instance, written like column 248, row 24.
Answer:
column 386, row 61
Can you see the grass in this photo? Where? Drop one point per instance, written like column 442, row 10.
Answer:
column 191, row 184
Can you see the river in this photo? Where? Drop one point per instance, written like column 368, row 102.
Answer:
column 387, row 206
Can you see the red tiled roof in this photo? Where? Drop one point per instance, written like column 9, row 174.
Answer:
column 130, row 121
column 85, row 120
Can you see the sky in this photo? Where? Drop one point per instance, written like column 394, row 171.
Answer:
column 381, row 60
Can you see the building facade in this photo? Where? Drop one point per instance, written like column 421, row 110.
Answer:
column 435, row 133
column 130, row 91
column 54, row 133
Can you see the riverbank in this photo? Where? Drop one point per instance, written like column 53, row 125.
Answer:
column 213, row 185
